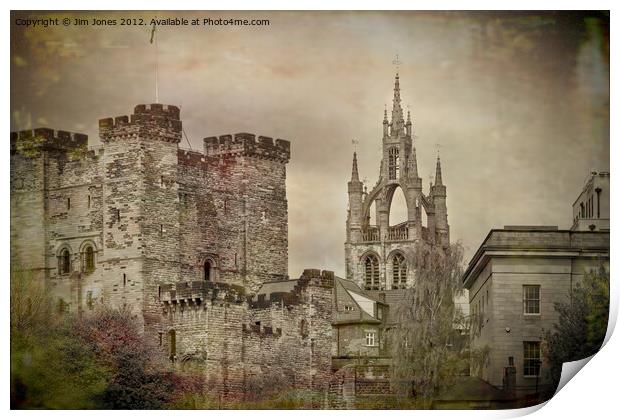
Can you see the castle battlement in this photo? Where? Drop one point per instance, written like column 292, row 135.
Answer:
column 47, row 139
column 315, row 277
column 154, row 120
column 260, row 330
column 191, row 158
column 200, row 291
column 278, row 299
column 249, row 145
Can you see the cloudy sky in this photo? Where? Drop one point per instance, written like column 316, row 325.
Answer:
column 517, row 104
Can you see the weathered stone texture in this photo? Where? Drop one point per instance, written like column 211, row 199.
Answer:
column 153, row 215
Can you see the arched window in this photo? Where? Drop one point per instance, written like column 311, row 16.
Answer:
column 303, row 328
column 399, row 272
column 208, row 267
column 64, row 262
column 393, row 163
column 89, row 258
column 371, row 274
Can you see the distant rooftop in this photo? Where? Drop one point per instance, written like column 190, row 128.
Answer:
column 530, row 227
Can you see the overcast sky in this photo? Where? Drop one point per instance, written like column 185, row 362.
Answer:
column 518, row 103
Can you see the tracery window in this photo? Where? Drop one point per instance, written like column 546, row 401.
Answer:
column 371, row 274
column 399, row 272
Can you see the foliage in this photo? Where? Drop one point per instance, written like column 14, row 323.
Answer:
column 582, row 323
column 97, row 361
column 428, row 349
column 140, row 378
column 50, row 366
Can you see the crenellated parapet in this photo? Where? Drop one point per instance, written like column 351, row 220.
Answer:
column 260, row 330
column 154, row 121
column 191, row 158
column 315, row 277
column 46, row 139
column 245, row 144
column 198, row 292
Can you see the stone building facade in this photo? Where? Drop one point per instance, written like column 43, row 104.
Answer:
column 380, row 256
column 514, row 280
column 184, row 239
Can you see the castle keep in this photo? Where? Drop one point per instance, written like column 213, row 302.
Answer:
column 184, row 239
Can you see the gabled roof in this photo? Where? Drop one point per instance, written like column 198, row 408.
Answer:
column 362, row 303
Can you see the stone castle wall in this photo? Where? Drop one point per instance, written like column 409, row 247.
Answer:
column 153, row 213
column 246, row 344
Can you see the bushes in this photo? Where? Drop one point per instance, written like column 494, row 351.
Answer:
column 98, row 361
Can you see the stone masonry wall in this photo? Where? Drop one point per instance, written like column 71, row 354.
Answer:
column 244, row 343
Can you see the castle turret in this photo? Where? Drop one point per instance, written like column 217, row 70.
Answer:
column 140, row 218
column 248, row 175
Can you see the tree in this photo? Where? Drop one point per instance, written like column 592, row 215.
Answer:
column 582, row 323
column 141, row 379
column 425, row 357
column 50, row 366
column 97, row 361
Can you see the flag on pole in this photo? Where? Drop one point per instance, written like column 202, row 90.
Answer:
column 153, row 33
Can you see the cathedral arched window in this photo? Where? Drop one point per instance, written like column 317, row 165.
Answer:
column 371, row 272
column 399, row 272
column 64, row 262
column 393, row 163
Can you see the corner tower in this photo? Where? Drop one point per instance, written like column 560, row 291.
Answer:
column 379, row 255
column 140, row 214
column 247, row 174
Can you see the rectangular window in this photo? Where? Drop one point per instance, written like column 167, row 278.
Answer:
column 68, row 203
column 89, row 201
column 370, row 339
column 531, row 300
column 89, row 300
column 531, row 358
column 348, row 308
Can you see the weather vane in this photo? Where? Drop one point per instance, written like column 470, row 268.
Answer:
column 397, row 63
column 354, row 143
column 438, row 145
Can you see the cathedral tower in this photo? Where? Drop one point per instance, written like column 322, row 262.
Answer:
column 378, row 254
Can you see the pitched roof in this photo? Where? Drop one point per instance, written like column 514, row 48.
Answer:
column 363, row 303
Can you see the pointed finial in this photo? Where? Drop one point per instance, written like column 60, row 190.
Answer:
column 413, row 164
column 397, row 63
column 438, row 180
column 354, row 173
column 385, row 113
column 408, row 116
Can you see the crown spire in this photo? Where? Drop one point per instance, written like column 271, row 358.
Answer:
column 398, row 121
column 438, row 180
